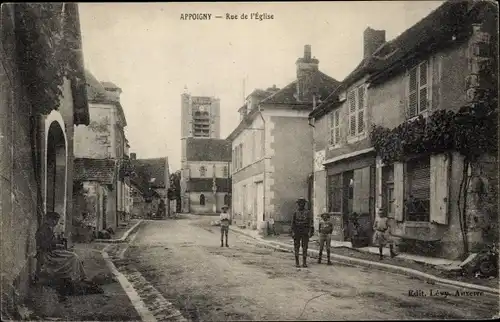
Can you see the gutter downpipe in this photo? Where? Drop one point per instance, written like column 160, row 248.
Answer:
column 265, row 158
column 311, row 124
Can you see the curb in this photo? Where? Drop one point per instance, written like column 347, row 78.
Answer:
column 123, row 238
column 135, row 299
column 386, row 267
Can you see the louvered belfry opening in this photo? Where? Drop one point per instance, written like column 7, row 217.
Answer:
column 417, row 205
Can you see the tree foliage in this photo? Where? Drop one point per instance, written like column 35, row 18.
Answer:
column 46, row 42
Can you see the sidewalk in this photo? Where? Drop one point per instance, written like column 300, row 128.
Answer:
column 437, row 269
column 122, row 233
column 113, row 304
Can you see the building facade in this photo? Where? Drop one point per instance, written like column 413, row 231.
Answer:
column 36, row 140
column 406, row 86
column 270, row 167
column 104, row 142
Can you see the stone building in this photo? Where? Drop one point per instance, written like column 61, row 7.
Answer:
column 102, row 147
column 406, row 83
column 36, row 135
column 272, row 147
column 150, row 181
column 205, row 158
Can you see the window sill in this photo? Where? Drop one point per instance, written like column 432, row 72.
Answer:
column 334, row 147
column 357, row 138
column 424, row 114
column 417, row 224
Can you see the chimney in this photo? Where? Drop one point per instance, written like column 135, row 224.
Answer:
column 133, row 156
column 372, row 40
column 307, row 66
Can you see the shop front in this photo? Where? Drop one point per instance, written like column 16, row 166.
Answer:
column 351, row 194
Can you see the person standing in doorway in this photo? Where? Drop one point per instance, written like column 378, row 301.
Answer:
column 325, row 236
column 302, row 230
column 272, row 230
column 224, row 225
column 382, row 235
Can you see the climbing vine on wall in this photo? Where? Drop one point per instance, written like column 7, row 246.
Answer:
column 471, row 131
column 46, row 43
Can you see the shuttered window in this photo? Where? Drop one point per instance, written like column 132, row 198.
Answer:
column 417, row 205
column 334, row 120
column 418, row 89
column 356, row 104
column 335, row 193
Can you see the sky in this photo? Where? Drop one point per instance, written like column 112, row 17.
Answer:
column 152, row 55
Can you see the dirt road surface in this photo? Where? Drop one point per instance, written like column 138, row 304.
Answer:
column 184, row 261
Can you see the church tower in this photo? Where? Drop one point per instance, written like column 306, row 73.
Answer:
column 200, row 117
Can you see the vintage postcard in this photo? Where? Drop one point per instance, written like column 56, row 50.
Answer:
column 249, row 161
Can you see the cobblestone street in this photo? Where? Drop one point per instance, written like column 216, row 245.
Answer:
column 186, row 268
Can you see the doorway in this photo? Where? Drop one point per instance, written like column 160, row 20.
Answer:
column 56, row 175
column 347, row 200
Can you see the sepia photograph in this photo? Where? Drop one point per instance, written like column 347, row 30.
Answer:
column 249, row 161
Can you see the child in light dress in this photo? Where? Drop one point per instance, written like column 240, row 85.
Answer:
column 382, row 235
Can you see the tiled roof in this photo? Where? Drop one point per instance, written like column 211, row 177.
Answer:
column 451, row 18
column 110, row 85
column 208, row 150
column 151, row 168
column 434, row 30
column 101, row 170
column 205, row 184
column 96, row 93
column 323, row 83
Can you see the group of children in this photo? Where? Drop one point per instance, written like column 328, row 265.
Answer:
column 382, row 235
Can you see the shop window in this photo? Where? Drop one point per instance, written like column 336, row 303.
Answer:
column 335, row 193
column 417, row 204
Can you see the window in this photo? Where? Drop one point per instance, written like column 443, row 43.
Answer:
column 225, row 172
column 335, row 127
column 417, row 205
column 202, row 200
column 240, row 157
column 388, row 190
column 418, row 89
column 335, row 193
column 203, row 171
column 356, row 102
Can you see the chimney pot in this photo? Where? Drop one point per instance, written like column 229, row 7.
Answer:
column 307, row 52
column 372, row 40
column 133, row 156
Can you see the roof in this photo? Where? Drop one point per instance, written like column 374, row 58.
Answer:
column 101, row 170
column 208, row 150
column 149, row 169
column 323, row 83
column 451, row 18
column 97, row 93
column 110, row 85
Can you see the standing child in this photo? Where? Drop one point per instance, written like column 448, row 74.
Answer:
column 224, row 225
column 382, row 235
column 325, row 236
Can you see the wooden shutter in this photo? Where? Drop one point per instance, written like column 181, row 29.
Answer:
column 337, row 127
column 439, row 188
column 361, row 198
column 412, row 93
column 398, row 191
column 352, row 113
column 361, row 109
column 422, row 84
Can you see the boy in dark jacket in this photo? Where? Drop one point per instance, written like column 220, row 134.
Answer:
column 325, row 236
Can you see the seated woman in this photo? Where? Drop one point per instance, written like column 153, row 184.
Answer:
column 58, row 264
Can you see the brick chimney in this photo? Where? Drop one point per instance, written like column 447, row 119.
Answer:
column 306, row 67
column 372, row 40
column 133, row 156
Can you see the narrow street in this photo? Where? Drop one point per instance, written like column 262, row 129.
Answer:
column 183, row 260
